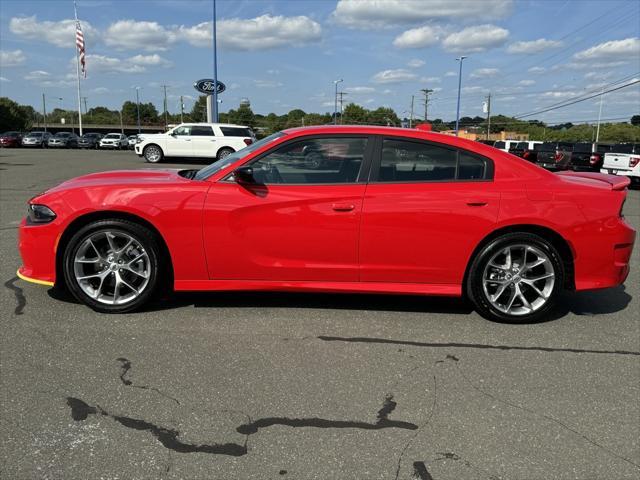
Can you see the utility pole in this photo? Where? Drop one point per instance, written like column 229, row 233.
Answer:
column 342, row 94
column 214, row 106
column 84, row 100
column 459, row 87
column 411, row 114
column 335, row 102
column 181, row 110
column 488, row 115
column 44, row 112
column 427, row 92
column 165, row 106
column 599, row 116
column 138, row 107
column 121, row 124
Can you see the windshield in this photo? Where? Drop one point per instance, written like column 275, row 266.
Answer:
column 35, row 134
column 228, row 160
column 113, row 135
column 89, row 135
column 62, row 134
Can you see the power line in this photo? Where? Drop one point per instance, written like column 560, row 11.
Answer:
column 577, row 101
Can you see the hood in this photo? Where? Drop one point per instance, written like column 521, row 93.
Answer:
column 122, row 178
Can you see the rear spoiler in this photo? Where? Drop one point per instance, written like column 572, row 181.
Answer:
column 617, row 182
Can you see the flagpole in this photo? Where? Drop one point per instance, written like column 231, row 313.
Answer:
column 75, row 11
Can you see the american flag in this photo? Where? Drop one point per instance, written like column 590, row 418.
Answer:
column 80, row 45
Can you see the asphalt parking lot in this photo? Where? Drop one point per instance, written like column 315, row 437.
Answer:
column 301, row 386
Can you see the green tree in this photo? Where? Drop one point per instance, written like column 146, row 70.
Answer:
column 635, row 120
column 353, row 113
column 14, row 116
column 383, row 116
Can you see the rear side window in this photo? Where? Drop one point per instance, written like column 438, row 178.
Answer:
column 565, row 146
column 406, row 161
column 236, row 132
column 201, row 131
column 499, row 145
column 582, row 147
column 548, row 147
column 536, row 146
column 521, row 146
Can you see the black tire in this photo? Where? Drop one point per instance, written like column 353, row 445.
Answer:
column 145, row 238
column 479, row 296
column 153, row 153
column 224, row 152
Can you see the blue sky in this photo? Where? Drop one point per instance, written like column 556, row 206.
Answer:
column 286, row 54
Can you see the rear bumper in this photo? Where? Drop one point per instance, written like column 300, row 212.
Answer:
column 602, row 254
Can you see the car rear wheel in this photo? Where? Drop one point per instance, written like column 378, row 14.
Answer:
column 516, row 278
column 112, row 265
column 152, row 154
column 224, row 152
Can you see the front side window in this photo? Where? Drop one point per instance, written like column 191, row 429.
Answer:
column 407, row 161
column 184, row 130
column 312, row 161
column 201, row 131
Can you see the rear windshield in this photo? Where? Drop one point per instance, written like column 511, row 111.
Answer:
column 236, row 132
column 625, row 148
column 499, row 144
column 565, row 146
column 548, row 147
column 582, row 147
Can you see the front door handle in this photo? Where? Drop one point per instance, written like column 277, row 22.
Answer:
column 343, row 207
column 477, row 202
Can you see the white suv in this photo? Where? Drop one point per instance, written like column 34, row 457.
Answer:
column 113, row 140
column 213, row 140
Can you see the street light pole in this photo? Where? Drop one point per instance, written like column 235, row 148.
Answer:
column 138, row 107
column 599, row 116
column 459, row 87
column 44, row 112
column 214, row 106
column 335, row 103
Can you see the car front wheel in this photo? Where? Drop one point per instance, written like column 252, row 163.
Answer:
column 224, row 152
column 516, row 278
column 112, row 265
column 152, row 154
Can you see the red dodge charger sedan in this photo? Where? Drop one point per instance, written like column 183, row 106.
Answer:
column 336, row 209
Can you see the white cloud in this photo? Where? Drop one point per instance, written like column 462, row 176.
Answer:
column 100, row 90
column 537, row 70
column 134, row 35
column 394, row 76
column 533, row 46
column 476, row 39
column 373, row 14
column 267, row 84
column 11, row 58
column 430, row 79
column 4, row 79
column 475, row 89
column 273, row 71
column 415, row 63
column 484, row 73
column 37, row 75
column 260, row 33
column 451, row 74
column 526, row 83
column 61, row 34
column 135, row 64
column 359, row 90
column 598, row 75
column 418, row 37
column 621, row 50
column 559, row 94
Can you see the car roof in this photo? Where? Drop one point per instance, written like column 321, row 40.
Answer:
column 213, row 124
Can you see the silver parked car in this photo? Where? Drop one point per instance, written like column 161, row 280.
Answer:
column 114, row 140
column 63, row 140
column 36, row 139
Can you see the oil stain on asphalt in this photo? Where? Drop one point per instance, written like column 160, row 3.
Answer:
column 19, row 294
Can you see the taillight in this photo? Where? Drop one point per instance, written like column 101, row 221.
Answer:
column 248, row 141
column 559, row 156
column 633, row 161
column 526, row 154
column 595, row 158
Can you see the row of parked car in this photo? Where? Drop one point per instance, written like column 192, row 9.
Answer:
column 67, row 140
column 614, row 159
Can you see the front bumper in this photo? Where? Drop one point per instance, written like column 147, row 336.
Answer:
column 37, row 245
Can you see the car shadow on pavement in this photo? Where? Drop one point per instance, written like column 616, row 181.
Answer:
column 579, row 303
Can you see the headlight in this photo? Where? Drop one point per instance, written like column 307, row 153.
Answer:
column 138, row 140
column 37, row 214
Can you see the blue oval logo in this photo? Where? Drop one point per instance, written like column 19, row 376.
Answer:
column 206, row 86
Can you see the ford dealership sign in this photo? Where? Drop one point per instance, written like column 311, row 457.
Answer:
column 206, row 86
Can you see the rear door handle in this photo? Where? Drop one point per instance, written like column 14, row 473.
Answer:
column 343, row 207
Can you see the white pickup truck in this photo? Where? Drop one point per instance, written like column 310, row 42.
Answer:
column 209, row 140
column 624, row 159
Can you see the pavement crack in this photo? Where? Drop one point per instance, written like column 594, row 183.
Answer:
column 547, row 417
column 434, row 405
column 382, row 422
column 125, row 366
column 19, row 294
column 473, row 345
column 166, row 436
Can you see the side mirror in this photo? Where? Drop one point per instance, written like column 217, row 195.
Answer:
column 244, row 175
